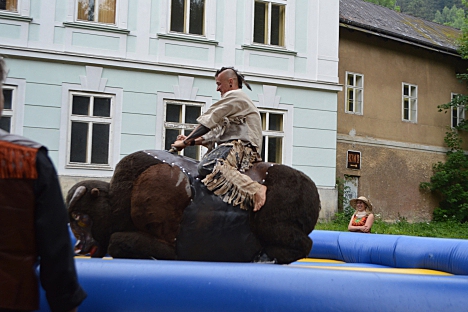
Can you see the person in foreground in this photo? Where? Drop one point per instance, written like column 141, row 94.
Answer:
column 234, row 124
column 363, row 218
column 33, row 228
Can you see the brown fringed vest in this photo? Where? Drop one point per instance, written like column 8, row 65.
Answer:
column 18, row 252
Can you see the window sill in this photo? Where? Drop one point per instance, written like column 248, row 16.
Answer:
column 187, row 38
column 97, row 27
column 14, row 16
column 268, row 48
column 354, row 113
column 89, row 167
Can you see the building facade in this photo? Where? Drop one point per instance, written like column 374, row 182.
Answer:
column 95, row 80
column 395, row 70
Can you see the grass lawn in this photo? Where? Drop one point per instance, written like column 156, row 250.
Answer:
column 447, row 229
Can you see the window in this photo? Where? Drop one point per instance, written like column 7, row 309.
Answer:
column 410, row 102
column 7, row 114
column 273, row 136
column 458, row 112
column 101, row 11
column 269, row 22
column 354, row 93
column 90, row 129
column 188, row 16
column 181, row 118
column 9, row 5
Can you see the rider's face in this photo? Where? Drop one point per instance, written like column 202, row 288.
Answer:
column 223, row 83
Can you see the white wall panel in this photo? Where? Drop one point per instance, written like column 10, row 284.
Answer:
column 314, row 138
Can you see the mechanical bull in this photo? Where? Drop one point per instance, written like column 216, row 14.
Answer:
column 156, row 207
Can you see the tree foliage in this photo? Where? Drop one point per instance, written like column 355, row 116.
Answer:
column 386, row 3
column 430, row 10
column 453, row 17
column 450, row 179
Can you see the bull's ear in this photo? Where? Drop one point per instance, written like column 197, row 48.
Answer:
column 95, row 192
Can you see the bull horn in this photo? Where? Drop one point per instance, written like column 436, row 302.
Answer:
column 79, row 192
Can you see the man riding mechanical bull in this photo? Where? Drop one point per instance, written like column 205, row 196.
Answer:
column 230, row 206
column 235, row 125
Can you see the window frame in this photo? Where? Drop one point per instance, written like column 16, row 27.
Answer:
column 90, row 120
column 10, row 112
column 186, row 25
column 355, row 89
column 93, row 82
column 97, row 14
column 267, row 133
column 410, row 97
column 120, row 25
column 18, row 100
column 181, row 126
column 268, row 27
column 460, row 111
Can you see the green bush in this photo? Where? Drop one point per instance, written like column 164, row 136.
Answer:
column 450, row 179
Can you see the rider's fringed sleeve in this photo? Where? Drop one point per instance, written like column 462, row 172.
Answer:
column 227, row 182
column 17, row 161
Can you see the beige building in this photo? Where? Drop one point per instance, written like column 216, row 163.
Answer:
column 395, row 70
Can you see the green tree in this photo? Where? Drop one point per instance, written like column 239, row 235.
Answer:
column 425, row 9
column 386, row 3
column 450, row 179
column 453, row 17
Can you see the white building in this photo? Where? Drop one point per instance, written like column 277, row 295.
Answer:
column 95, row 80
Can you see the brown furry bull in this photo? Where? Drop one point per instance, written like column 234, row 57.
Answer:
column 156, row 207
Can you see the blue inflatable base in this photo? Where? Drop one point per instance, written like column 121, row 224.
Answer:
column 146, row 285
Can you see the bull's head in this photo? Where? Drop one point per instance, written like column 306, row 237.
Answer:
column 88, row 209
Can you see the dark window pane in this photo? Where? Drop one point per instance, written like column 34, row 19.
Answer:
column 276, row 122
column 171, row 137
column 102, row 107
column 191, row 151
column 274, row 149
column 263, row 149
column 197, row 15
column 406, row 109
column 177, row 15
column 350, row 80
column 350, row 100
column 405, row 90
column 454, row 117
column 275, row 25
column 100, row 144
column 192, row 113
column 5, row 123
column 79, row 137
column 173, row 113
column 259, row 22
column 80, row 105
column 7, row 98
